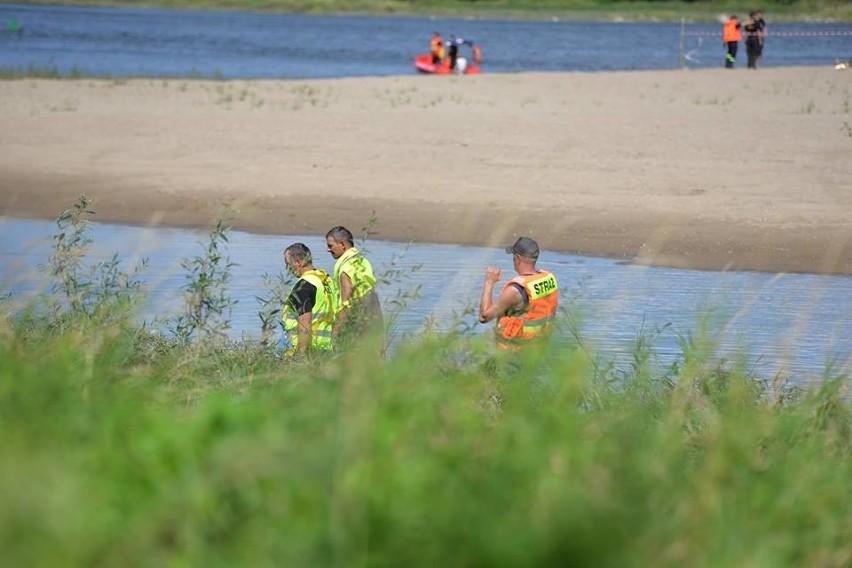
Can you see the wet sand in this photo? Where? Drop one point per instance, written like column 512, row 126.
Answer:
column 709, row 169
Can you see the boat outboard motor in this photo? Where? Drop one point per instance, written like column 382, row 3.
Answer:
column 461, row 65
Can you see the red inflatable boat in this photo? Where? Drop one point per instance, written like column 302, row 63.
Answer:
column 423, row 63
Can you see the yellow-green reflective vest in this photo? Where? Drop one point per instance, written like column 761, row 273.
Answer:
column 360, row 272
column 322, row 316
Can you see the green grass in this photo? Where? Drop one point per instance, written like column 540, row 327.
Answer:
column 638, row 10
column 34, row 71
column 40, row 72
column 114, row 453
column 121, row 446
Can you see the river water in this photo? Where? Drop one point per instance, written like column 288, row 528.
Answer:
column 793, row 324
column 789, row 324
column 122, row 42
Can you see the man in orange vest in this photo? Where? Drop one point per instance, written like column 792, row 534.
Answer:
column 731, row 36
column 436, row 47
column 527, row 306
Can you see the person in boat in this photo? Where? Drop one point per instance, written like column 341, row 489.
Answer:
column 462, row 62
column 477, row 53
column 453, row 45
column 526, row 308
column 436, row 48
column 453, row 50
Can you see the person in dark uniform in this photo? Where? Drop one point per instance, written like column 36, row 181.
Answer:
column 453, row 50
column 754, row 30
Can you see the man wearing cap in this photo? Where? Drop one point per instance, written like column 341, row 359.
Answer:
column 526, row 307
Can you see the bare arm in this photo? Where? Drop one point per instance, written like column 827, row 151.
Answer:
column 304, row 332
column 509, row 298
column 345, row 297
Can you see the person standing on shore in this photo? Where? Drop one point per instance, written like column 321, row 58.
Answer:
column 761, row 26
column 731, row 36
column 755, row 31
column 360, row 312
column 308, row 312
column 527, row 305
column 752, row 43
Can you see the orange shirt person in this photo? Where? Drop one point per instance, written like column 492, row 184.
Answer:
column 731, row 36
column 436, row 47
column 477, row 54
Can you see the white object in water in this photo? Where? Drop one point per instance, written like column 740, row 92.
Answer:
column 461, row 65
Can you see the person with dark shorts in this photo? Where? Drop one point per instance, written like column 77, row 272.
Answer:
column 754, row 30
column 761, row 26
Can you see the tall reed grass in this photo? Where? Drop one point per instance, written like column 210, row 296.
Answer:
column 121, row 447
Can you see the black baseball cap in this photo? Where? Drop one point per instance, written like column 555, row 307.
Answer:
column 524, row 246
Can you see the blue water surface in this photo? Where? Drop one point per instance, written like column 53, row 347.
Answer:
column 791, row 324
column 123, row 42
column 795, row 325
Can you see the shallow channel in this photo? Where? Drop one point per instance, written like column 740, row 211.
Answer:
column 793, row 324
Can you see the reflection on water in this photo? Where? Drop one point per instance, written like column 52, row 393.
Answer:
column 790, row 323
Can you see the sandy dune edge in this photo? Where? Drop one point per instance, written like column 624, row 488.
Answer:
column 702, row 169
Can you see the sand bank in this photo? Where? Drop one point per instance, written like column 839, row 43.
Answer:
column 706, row 169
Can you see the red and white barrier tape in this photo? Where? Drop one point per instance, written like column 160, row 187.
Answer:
column 776, row 34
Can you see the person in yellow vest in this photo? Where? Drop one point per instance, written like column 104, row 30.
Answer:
column 526, row 307
column 731, row 35
column 360, row 312
column 308, row 313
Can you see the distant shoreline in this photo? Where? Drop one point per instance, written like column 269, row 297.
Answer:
column 628, row 12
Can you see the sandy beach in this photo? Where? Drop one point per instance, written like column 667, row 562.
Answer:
column 706, row 169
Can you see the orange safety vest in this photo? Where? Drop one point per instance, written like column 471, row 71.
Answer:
column 535, row 318
column 730, row 31
column 436, row 44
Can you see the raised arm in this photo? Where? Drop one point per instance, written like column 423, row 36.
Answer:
column 509, row 298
